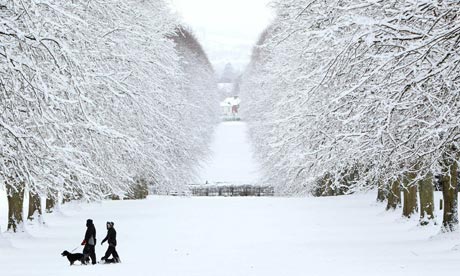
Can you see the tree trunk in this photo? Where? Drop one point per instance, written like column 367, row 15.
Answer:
column 34, row 205
column 50, row 202
column 450, row 195
column 15, row 201
column 410, row 196
column 426, row 190
column 394, row 195
column 328, row 191
column 382, row 191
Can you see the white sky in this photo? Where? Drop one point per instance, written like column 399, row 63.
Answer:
column 227, row 29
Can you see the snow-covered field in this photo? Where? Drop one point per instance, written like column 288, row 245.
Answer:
column 349, row 235
column 231, row 156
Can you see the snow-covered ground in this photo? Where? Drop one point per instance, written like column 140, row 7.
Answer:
column 349, row 235
column 231, row 159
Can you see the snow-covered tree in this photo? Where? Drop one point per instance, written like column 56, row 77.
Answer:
column 96, row 100
column 347, row 95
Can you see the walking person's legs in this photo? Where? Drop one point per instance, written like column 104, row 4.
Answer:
column 86, row 254
column 108, row 253
column 92, row 254
column 115, row 255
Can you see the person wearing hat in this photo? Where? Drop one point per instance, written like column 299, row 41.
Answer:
column 89, row 242
column 111, row 238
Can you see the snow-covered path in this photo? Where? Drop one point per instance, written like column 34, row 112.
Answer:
column 239, row 236
column 231, row 157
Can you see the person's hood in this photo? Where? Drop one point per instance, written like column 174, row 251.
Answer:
column 109, row 224
column 89, row 222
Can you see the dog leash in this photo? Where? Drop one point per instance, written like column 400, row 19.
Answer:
column 74, row 249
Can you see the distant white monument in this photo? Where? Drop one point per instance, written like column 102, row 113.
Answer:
column 230, row 108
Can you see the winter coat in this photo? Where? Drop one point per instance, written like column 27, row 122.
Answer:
column 111, row 237
column 90, row 235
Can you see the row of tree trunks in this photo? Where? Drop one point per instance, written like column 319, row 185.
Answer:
column 449, row 183
column 18, row 212
column 425, row 191
column 330, row 186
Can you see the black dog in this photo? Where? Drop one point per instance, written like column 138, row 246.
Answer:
column 73, row 257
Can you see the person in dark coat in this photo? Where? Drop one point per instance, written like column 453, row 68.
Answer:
column 111, row 238
column 89, row 242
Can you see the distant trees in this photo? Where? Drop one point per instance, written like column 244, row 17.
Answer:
column 362, row 87
column 228, row 75
column 200, row 106
column 95, row 99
